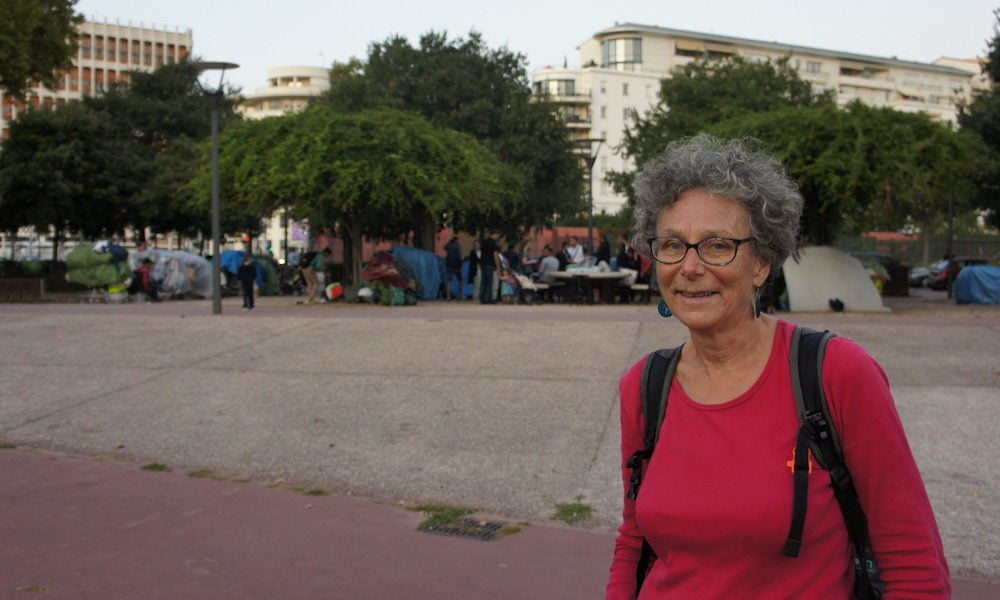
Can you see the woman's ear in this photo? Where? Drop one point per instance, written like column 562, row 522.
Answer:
column 762, row 270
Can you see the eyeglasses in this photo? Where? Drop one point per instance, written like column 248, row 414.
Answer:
column 715, row 251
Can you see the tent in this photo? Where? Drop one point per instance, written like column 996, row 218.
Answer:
column 978, row 284
column 426, row 267
column 178, row 272
column 97, row 265
column 822, row 273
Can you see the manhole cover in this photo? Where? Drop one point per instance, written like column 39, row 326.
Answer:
column 468, row 527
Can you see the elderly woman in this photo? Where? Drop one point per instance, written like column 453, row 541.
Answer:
column 719, row 217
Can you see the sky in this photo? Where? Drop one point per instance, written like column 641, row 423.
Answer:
column 262, row 34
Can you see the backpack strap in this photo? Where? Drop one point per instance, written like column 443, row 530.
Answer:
column 817, row 434
column 654, row 391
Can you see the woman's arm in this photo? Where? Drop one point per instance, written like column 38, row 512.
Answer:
column 901, row 524
column 628, row 544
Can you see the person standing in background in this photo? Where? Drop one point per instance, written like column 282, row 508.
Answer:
column 488, row 266
column 452, row 267
column 247, row 274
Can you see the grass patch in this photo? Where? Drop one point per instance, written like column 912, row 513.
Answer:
column 440, row 514
column 206, row 474
column 7, row 447
column 310, row 491
column 573, row 512
column 156, row 467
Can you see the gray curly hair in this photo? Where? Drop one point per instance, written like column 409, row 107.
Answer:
column 736, row 169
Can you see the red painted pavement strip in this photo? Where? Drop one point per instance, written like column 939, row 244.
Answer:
column 73, row 528
column 81, row 529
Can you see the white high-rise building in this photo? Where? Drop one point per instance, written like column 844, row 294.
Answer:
column 621, row 68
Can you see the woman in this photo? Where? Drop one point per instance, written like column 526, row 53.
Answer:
column 715, row 502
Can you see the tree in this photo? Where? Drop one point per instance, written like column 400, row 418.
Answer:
column 103, row 164
column 38, row 39
column 982, row 115
column 57, row 169
column 162, row 115
column 708, row 91
column 368, row 172
column 863, row 168
column 463, row 85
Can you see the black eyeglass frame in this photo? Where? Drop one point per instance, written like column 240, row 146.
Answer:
column 687, row 246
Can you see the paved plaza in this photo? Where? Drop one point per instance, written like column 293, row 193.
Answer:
column 508, row 410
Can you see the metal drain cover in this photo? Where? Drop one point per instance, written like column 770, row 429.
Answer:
column 468, row 527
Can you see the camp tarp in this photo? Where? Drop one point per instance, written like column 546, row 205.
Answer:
column 822, row 273
column 426, row 267
column 95, row 269
column 110, row 273
column 232, row 260
column 978, row 284
column 178, row 272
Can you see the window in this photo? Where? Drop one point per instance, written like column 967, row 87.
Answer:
column 814, row 66
column 552, row 87
column 604, row 87
column 622, row 53
column 604, row 112
column 624, row 89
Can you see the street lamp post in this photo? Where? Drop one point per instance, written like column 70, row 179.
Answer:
column 215, row 97
column 590, row 158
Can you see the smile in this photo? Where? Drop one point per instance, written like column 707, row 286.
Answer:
column 696, row 294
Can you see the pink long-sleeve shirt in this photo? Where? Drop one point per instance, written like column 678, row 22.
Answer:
column 716, row 499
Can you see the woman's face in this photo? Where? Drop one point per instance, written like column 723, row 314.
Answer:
column 703, row 296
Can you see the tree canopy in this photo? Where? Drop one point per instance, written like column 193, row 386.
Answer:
column 982, row 115
column 371, row 172
column 38, row 39
column 105, row 163
column 859, row 168
column 463, row 85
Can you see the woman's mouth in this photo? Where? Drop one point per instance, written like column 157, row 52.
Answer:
column 696, row 294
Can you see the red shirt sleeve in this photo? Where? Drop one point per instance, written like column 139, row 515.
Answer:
column 902, row 528
column 628, row 545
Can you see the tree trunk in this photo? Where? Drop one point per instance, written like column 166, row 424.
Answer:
column 424, row 230
column 352, row 255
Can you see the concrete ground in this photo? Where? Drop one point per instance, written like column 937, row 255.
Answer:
column 508, row 410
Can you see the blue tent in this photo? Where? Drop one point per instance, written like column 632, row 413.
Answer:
column 232, row 260
column 978, row 284
column 426, row 267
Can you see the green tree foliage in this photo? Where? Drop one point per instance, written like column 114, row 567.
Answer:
column 708, row 91
column 463, row 85
column 38, row 39
column 48, row 175
column 863, row 168
column 162, row 114
column 370, row 172
column 982, row 115
column 120, row 160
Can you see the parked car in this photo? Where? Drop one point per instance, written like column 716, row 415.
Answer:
column 938, row 280
column 919, row 276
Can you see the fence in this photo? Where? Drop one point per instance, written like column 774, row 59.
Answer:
column 911, row 252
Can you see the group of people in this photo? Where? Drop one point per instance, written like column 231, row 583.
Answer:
column 493, row 271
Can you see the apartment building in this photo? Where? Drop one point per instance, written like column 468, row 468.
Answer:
column 288, row 89
column 623, row 65
column 107, row 53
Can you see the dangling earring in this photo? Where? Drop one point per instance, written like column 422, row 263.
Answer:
column 663, row 309
column 756, row 303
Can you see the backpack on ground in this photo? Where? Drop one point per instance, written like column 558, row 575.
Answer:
column 808, row 348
